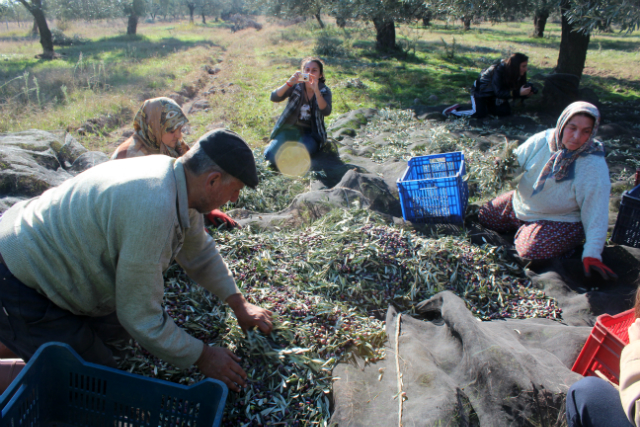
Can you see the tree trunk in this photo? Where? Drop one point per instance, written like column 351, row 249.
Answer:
column 539, row 22
column 426, row 18
column 341, row 22
column 40, row 21
column 204, row 19
column 34, row 28
column 573, row 47
column 385, row 34
column 467, row 23
column 45, row 35
column 319, row 18
column 191, row 10
column 132, row 24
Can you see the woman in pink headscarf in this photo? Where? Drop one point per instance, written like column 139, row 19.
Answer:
column 563, row 196
column 158, row 130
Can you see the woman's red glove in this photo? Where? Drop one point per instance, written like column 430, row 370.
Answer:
column 217, row 218
column 597, row 265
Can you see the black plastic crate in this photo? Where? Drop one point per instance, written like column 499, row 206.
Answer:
column 627, row 229
column 58, row 389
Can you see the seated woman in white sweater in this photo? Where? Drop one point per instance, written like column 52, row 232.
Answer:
column 563, row 196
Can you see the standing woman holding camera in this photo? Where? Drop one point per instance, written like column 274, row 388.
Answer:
column 302, row 120
column 496, row 86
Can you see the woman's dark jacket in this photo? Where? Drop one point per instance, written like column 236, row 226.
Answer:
column 493, row 83
column 294, row 94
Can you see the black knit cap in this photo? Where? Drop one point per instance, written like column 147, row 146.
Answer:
column 229, row 151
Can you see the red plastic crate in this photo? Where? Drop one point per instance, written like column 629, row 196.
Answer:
column 604, row 346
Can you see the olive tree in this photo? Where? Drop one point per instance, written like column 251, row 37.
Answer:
column 154, row 8
column 295, row 8
column 581, row 17
column 231, row 7
column 6, row 9
column 37, row 9
column 384, row 14
column 133, row 9
column 11, row 10
column 573, row 44
column 87, row 10
column 191, row 5
column 586, row 16
column 204, row 8
column 541, row 11
column 468, row 10
column 173, row 8
column 100, row 9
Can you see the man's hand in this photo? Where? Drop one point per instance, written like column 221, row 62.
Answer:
column 250, row 315
column 634, row 331
column 221, row 364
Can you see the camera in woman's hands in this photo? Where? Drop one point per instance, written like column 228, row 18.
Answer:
column 534, row 89
column 303, row 77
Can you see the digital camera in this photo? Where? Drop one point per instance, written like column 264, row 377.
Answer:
column 304, row 77
column 534, row 89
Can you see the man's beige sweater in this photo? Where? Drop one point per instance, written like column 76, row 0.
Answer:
column 99, row 243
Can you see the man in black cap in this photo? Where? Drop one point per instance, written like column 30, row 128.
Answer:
column 83, row 262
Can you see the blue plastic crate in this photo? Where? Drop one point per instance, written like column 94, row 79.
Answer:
column 57, row 388
column 432, row 189
column 627, row 229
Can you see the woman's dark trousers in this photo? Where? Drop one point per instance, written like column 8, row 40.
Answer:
column 486, row 106
column 593, row 402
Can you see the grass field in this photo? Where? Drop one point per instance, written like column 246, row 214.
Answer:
column 110, row 74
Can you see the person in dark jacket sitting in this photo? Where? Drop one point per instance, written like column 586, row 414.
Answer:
column 495, row 87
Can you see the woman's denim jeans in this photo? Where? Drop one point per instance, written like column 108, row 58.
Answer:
column 593, row 402
column 290, row 134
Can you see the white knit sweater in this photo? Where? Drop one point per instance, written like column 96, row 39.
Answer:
column 582, row 196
